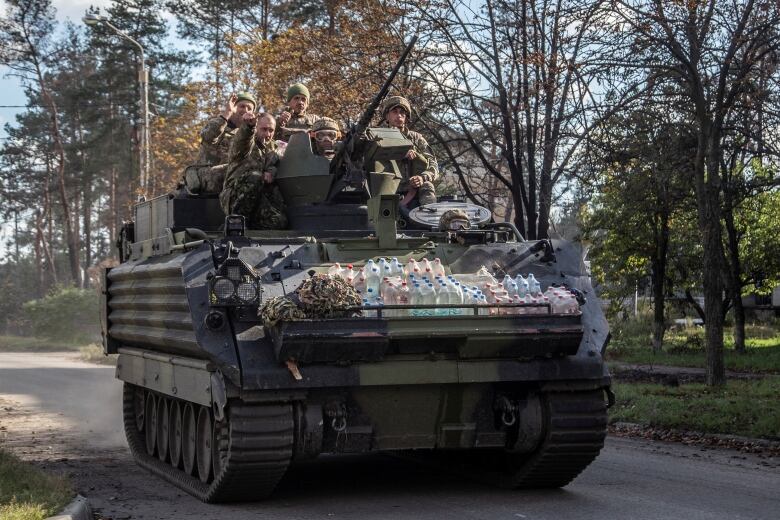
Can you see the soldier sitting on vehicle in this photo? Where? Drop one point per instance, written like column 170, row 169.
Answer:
column 207, row 175
column 294, row 117
column 419, row 170
column 325, row 134
column 249, row 188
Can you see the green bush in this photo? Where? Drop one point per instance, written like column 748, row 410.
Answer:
column 67, row 314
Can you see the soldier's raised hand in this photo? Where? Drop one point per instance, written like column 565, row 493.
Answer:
column 250, row 118
column 411, row 154
column 230, row 106
column 283, row 118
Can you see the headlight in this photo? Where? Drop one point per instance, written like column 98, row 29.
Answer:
column 235, row 284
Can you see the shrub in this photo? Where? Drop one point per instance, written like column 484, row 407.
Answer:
column 67, row 314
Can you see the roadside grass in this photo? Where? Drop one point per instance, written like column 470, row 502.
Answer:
column 93, row 353
column 27, row 493
column 685, row 347
column 33, row 344
column 746, row 407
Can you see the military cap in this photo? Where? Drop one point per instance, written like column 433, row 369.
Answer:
column 246, row 96
column 297, row 89
column 325, row 123
column 396, row 101
column 448, row 220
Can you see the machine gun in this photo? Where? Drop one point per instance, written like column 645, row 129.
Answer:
column 342, row 165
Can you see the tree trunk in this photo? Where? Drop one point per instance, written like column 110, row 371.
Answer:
column 710, row 226
column 735, row 275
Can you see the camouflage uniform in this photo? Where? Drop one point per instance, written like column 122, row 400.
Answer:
column 424, row 164
column 301, row 122
column 425, row 161
column 207, row 175
column 244, row 191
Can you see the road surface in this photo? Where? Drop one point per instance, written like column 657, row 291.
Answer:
column 64, row 415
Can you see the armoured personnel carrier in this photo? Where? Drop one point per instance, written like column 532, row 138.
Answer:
column 220, row 403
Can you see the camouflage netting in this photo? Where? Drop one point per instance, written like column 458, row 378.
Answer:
column 279, row 308
column 318, row 297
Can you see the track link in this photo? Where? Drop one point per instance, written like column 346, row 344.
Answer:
column 575, row 433
column 253, row 450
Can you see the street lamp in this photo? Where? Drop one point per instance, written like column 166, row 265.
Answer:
column 92, row 20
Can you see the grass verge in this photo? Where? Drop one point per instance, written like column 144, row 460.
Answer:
column 27, row 493
column 32, row 344
column 93, row 353
column 686, row 348
column 745, row 408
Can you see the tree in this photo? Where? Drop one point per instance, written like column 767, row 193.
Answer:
column 643, row 190
column 27, row 30
column 708, row 50
column 521, row 81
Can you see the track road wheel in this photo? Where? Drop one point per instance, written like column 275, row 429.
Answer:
column 139, row 407
column 204, row 438
column 189, row 438
column 174, row 433
column 162, row 428
column 151, row 423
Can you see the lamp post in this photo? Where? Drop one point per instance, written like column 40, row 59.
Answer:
column 92, row 20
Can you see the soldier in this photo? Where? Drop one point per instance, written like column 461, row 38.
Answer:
column 208, row 174
column 249, row 188
column 325, row 133
column 294, row 117
column 419, row 169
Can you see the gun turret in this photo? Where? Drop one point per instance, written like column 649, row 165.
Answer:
column 342, row 166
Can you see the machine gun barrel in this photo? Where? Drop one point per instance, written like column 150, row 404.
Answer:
column 359, row 129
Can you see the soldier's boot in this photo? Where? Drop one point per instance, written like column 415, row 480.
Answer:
column 426, row 194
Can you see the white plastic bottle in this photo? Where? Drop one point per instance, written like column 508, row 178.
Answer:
column 533, row 285
column 373, row 280
column 484, row 310
column 402, row 297
column 389, row 297
column 335, row 270
column 438, row 267
column 367, row 312
column 442, row 298
column 415, row 299
column 397, row 268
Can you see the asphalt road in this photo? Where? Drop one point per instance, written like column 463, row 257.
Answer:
column 64, row 415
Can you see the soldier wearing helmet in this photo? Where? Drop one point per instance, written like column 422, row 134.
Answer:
column 294, row 117
column 208, row 173
column 420, row 169
column 325, row 133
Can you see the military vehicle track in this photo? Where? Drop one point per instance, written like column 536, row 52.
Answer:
column 240, row 462
column 576, row 426
column 575, row 434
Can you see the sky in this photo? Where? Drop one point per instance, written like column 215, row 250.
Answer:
column 10, row 89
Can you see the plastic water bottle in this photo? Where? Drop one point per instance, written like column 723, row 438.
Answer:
column 373, row 280
column 367, row 312
column 389, row 297
column 533, row 285
column 414, row 298
column 456, row 297
column 522, row 285
column 438, row 267
column 402, row 297
column 483, row 310
column 397, row 268
column 442, row 298
column 371, row 296
column 335, row 270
